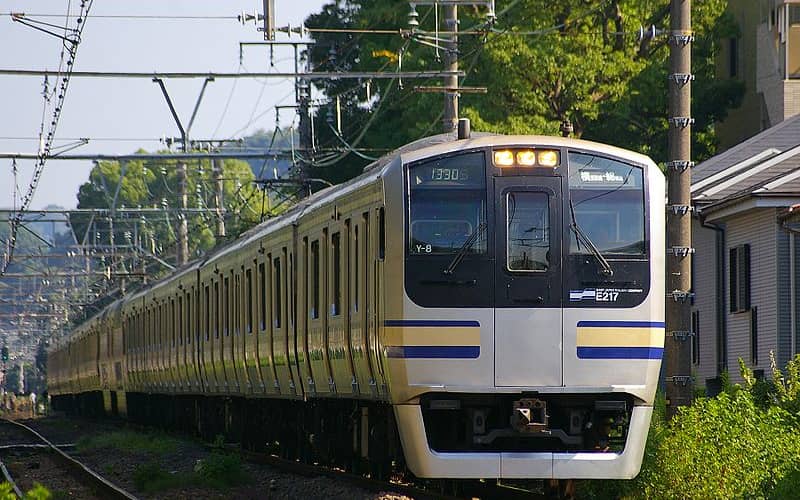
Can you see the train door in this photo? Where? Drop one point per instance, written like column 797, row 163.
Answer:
column 358, row 323
column 291, row 318
column 375, row 302
column 528, row 338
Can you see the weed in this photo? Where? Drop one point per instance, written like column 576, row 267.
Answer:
column 221, row 471
column 158, row 444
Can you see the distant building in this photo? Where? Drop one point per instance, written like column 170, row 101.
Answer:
column 766, row 57
column 746, row 269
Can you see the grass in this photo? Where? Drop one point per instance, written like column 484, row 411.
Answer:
column 218, row 471
column 158, row 444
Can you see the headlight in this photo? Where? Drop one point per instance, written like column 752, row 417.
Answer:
column 526, row 158
column 504, row 158
column 548, row 158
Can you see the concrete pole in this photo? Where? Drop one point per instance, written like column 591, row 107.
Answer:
column 450, row 120
column 216, row 167
column 183, row 226
column 679, row 384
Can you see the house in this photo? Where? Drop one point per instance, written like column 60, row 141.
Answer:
column 765, row 56
column 746, row 266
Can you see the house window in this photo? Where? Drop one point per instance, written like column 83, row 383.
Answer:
column 754, row 335
column 733, row 57
column 739, row 258
column 696, row 337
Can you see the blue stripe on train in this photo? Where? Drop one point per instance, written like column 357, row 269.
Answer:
column 620, row 352
column 433, row 351
column 622, row 324
column 429, row 322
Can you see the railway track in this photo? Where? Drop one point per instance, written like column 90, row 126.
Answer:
column 433, row 491
column 28, row 458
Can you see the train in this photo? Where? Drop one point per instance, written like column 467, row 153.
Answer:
column 482, row 306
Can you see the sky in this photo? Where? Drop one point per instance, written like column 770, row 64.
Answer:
column 120, row 116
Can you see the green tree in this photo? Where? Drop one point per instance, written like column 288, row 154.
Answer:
column 542, row 62
column 153, row 184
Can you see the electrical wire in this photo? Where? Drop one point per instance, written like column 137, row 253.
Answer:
column 85, row 8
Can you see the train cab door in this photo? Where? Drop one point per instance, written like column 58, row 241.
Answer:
column 528, row 329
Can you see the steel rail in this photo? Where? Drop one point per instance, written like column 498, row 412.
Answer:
column 10, row 480
column 107, row 489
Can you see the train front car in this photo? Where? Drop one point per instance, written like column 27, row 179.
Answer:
column 528, row 336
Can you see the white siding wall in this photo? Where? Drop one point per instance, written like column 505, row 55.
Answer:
column 756, row 228
column 705, row 302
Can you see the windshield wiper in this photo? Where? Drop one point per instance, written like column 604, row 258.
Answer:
column 607, row 270
column 469, row 243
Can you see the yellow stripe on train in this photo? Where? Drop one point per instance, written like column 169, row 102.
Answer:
column 620, row 337
column 432, row 336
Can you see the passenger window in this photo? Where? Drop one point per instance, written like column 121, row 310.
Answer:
column 226, row 302
column 172, row 319
column 277, row 293
column 207, row 312
column 248, row 290
column 336, row 296
column 180, row 320
column 528, row 223
column 262, row 291
column 356, row 252
column 381, row 234
column 190, row 324
column 216, row 310
column 237, row 304
column 315, row 279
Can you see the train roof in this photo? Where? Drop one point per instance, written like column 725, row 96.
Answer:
column 445, row 143
column 422, row 148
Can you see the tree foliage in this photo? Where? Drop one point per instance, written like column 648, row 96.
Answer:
column 741, row 444
column 542, row 62
column 151, row 184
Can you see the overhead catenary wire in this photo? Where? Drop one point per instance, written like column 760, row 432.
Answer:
column 85, row 8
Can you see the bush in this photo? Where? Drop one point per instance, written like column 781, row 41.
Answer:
column 741, row 444
column 220, row 471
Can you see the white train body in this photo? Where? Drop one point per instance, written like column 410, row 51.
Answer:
column 503, row 294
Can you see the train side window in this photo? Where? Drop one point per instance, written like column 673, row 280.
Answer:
column 291, row 315
column 277, row 293
column 189, row 316
column 237, row 304
column 262, row 293
column 314, row 279
column 157, row 329
column 248, row 290
column 381, row 234
column 336, row 296
column 226, row 302
column 207, row 312
column 356, row 253
column 180, row 319
column 172, row 320
column 216, row 310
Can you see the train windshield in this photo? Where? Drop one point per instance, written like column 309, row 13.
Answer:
column 447, row 205
column 607, row 198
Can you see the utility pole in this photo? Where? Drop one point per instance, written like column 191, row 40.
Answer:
column 450, row 120
column 679, row 384
column 182, row 172
column 216, row 169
